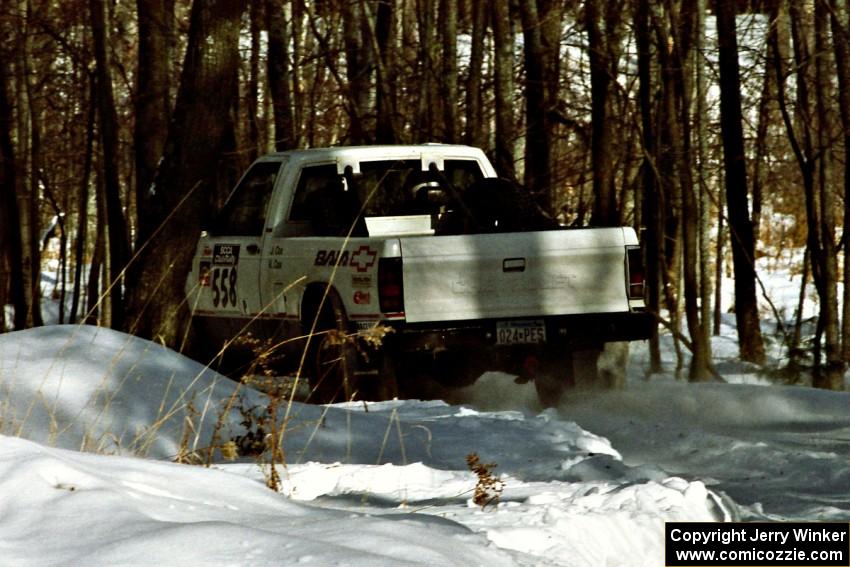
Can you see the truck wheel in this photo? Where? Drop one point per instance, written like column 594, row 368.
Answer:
column 328, row 353
column 586, row 368
column 204, row 349
column 340, row 369
column 380, row 380
column 602, row 368
column 563, row 370
column 553, row 374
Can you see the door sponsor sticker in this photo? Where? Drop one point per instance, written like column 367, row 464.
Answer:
column 361, row 281
column 361, row 259
column 225, row 254
column 362, row 298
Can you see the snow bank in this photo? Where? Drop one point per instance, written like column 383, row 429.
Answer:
column 64, row 508
column 93, row 389
column 377, row 483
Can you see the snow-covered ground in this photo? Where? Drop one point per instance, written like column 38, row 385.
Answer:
column 91, row 419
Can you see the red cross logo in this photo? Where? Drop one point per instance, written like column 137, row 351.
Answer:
column 363, row 259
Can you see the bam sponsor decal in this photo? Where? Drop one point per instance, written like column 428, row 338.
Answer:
column 361, row 259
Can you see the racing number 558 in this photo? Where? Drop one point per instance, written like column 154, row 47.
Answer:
column 224, row 287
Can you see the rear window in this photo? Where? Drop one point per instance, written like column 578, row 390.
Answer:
column 333, row 203
column 393, row 188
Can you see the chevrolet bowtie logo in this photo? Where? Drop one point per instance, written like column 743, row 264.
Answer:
column 363, row 258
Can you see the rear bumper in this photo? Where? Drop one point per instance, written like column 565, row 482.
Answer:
column 571, row 331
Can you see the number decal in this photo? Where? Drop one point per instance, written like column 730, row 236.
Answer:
column 224, row 287
column 233, row 286
column 216, row 294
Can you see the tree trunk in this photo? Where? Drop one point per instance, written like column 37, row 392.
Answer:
column 83, row 204
column 537, row 142
column 602, row 22
column 153, row 106
column 811, row 154
column 760, row 150
column 841, row 48
column 741, row 228
column 682, row 59
column 29, row 145
column 208, row 87
column 98, row 310
column 701, row 137
column 429, row 103
column 720, row 254
column 386, row 94
column 669, row 176
column 115, row 223
column 833, row 378
column 255, row 145
column 279, row 73
column 11, row 244
column 503, row 71
column 652, row 205
column 358, row 66
column 448, row 20
column 475, row 127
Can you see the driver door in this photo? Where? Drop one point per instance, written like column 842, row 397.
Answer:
column 229, row 270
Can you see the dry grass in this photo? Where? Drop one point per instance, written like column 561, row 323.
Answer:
column 489, row 488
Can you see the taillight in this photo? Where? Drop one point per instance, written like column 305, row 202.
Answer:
column 390, row 285
column 635, row 272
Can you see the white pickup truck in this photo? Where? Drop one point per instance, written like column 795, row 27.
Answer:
column 375, row 271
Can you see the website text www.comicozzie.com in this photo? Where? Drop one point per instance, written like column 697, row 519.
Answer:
column 696, row 544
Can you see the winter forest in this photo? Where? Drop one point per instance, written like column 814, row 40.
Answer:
column 719, row 129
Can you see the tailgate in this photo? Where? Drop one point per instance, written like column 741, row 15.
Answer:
column 560, row 272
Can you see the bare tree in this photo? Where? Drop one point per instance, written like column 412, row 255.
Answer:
column 108, row 120
column 83, row 201
column 679, row 66
column 503, row 71
column 11, row 246
column 279, row 73
column 475, row 126
column 185, row 181
column 541, row 66
column 840, row 23
column 359, row 65
column 651, row 190
column 602, row 21
column 28, row 156
column 810, row 150
column 826, row 255
column 743, row 246
column 153, row 100
column 449, row 82
column 386, row 97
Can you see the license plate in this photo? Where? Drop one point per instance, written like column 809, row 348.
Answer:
column 520, row 332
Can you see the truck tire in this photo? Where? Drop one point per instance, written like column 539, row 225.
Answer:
column 338, row 367
column 595, row 368
column 560, row 371
column 327, row 358
column 204, row 349
column 554, row 374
